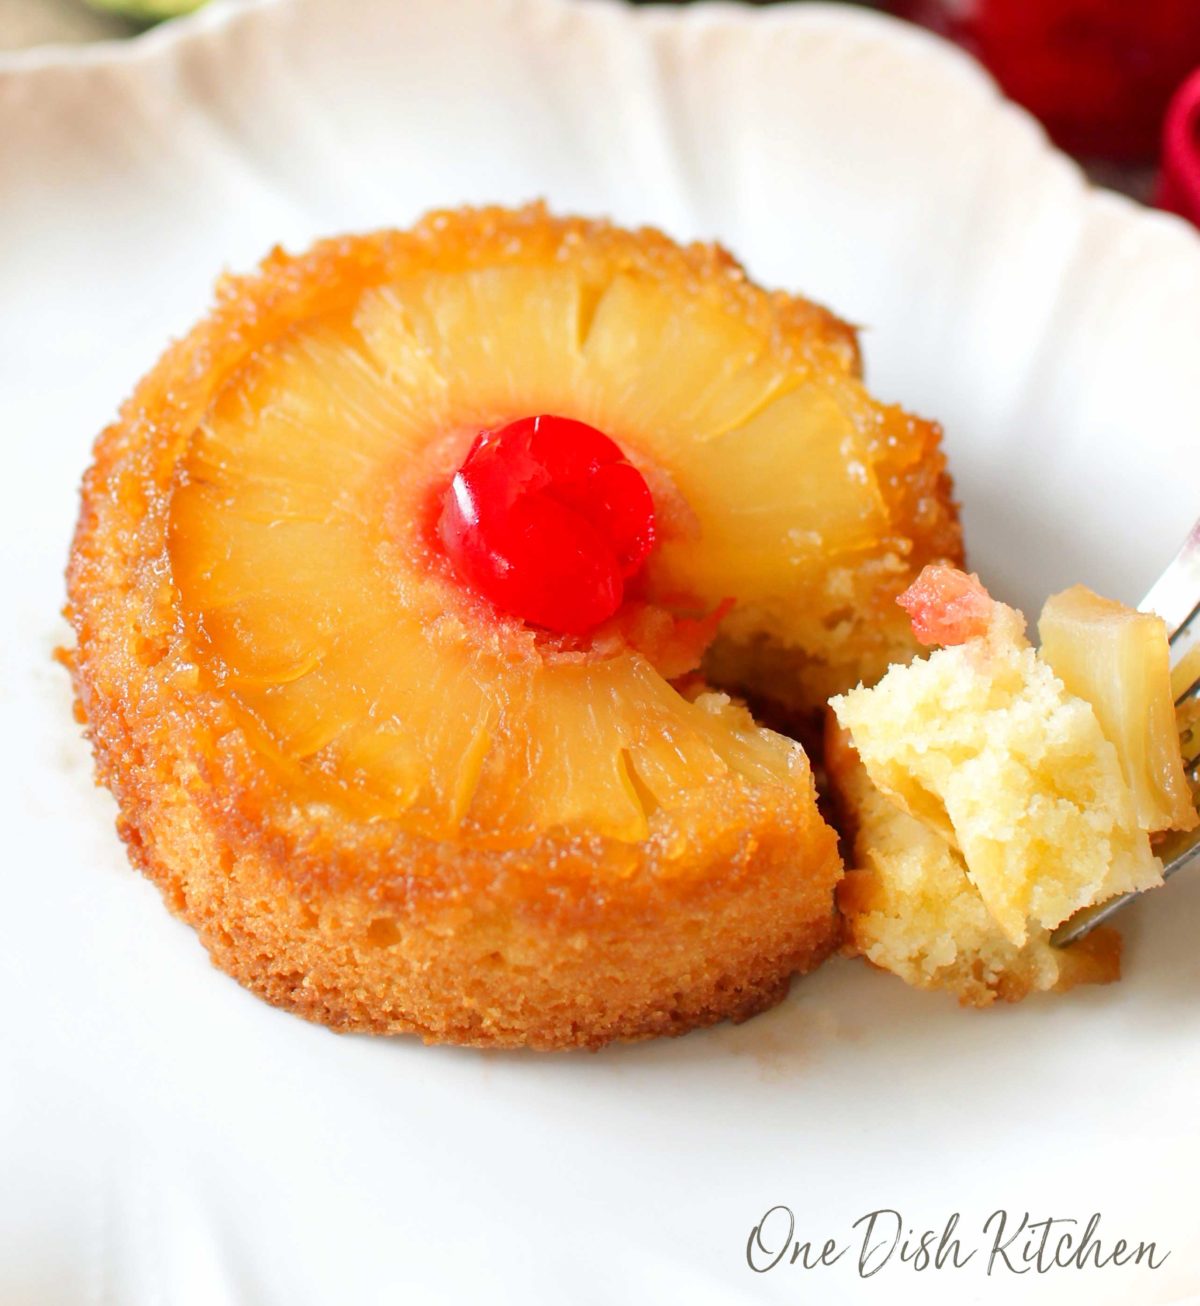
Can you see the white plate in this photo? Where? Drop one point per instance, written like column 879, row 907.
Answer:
column 165, row 1137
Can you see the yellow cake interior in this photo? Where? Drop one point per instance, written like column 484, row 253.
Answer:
column 911, row 907
column 989, row 802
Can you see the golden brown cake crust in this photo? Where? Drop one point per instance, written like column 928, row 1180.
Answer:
column 569, row 941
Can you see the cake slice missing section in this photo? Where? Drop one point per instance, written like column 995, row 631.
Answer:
column 987, row 802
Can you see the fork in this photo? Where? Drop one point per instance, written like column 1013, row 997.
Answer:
column 1175, row 596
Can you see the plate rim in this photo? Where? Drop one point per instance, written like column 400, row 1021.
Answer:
column 221, row 20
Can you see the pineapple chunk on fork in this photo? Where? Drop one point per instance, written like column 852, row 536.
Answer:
column 1159, row 733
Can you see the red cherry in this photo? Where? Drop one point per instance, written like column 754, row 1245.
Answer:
column 947, row 606
column 547, row 519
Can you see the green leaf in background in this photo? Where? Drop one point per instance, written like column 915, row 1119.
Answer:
column 146, row 11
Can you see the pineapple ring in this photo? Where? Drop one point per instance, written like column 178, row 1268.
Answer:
column 383, row 805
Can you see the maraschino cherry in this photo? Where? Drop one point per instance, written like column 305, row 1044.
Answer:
column 548, row 519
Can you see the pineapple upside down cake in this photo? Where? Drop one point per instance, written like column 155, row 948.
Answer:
column 418, row 593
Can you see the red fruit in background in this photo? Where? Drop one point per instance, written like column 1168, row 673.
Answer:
column 1098, row 73
column 1179, row 180
column 547, row 519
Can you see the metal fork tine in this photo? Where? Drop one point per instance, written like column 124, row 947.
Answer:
column 1174, row 596
column 1188, row 632
column 1185, row 675
column 1178, row 853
